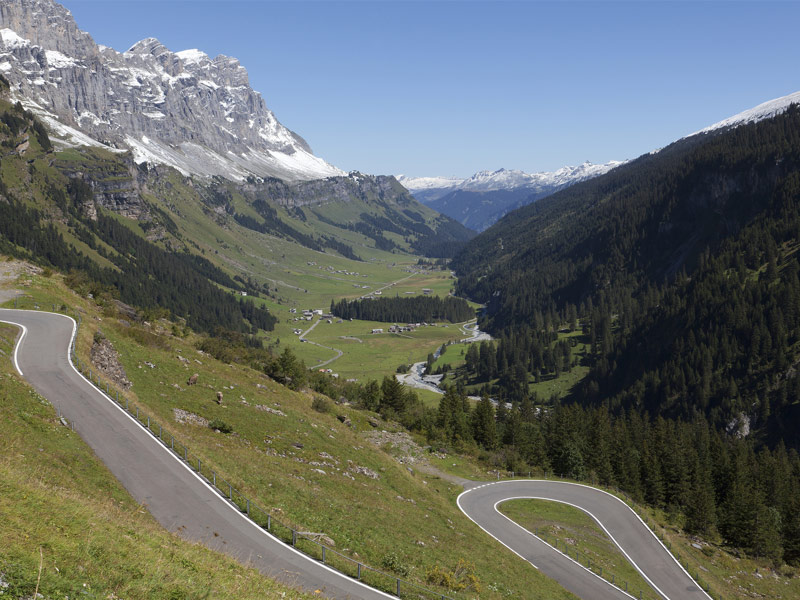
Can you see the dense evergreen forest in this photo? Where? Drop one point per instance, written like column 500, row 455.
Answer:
column 681, row 266
column 681, row 271
column 417, row 309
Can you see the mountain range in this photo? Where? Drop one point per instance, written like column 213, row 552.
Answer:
column 480, row 200
column 183, row 109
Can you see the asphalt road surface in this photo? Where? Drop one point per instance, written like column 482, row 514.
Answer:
column 629, row 533
column 173, row 493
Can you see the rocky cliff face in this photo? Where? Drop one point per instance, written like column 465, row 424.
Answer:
column 355, row 186
column 183, row 109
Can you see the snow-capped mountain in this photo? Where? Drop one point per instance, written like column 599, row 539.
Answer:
column 184, row 109
column 479, row 200
column 427, row 183
column 755, row 114
column 504, row 179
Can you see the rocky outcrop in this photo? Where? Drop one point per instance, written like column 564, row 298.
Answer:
column 354, row 186
column 116, row 185
column 185, row 109
column 106, row 359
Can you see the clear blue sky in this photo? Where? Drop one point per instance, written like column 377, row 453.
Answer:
column 450, row 88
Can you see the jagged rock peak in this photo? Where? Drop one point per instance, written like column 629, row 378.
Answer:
column 182, row 109
column 47, row 24
column 148, row 46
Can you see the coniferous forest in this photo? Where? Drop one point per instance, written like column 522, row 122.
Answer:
column 681, row 270
column 418, row 309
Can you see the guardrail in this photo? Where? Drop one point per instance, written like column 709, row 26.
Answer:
column 302, row 541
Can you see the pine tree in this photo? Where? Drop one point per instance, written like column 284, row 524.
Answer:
column 484, row 428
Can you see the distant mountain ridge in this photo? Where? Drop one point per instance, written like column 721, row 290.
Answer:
column 183, row 109
column 480, row 200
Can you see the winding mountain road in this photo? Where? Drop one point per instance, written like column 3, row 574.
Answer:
column 624, row 527
column 179, row 499
column 185, row 504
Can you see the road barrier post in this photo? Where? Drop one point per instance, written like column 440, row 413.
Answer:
column 248, row 507
column 269, row 522
column 398, row 588
column 359, row 571
column 294, row 537
column 323, row 555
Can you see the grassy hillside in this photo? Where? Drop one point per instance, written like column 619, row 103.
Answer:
column 70, row 530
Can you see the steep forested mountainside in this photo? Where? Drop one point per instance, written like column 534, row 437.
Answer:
column 682, row 266
column 48, row 217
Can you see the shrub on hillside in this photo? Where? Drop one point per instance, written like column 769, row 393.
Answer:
column 220, row 425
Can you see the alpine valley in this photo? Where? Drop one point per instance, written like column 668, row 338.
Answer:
column 633, row 326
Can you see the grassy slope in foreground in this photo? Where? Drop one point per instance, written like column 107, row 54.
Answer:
column 95, row 540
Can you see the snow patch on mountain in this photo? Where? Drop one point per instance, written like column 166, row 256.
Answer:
column 763, row 111
column 11, row 41
column 504, row 179
column 426, row 183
